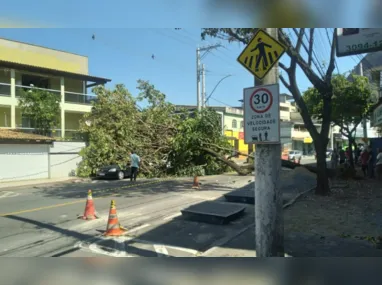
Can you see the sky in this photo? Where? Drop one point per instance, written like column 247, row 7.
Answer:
column 128, row 33
column 125, row 55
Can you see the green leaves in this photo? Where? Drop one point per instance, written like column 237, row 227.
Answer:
column 351, row 101
column 42, row 107
column 159, row 134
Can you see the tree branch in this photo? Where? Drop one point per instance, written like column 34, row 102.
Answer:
column 291, row 51
column 300, row 40
column 331, row 66
column 283, row 66
column 287, row 86
column 310, row 52
column 293, row 87
column 234, row 35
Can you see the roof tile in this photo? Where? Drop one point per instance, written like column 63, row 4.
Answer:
column 8, row 134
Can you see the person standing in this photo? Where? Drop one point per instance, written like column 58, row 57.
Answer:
column 378, row 164
column 135, row 160
column 364, row 162
column 342, row 156
column 370, row 163
column 334, row 158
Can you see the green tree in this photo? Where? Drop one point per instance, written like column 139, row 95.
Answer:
column 199, row 142
column 351, row 103
column 157, row 132
column 322, row 82
column 42, row 107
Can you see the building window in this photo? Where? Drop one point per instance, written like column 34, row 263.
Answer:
column 234, row 124
column 284, row 108
column 241, row 124
column 27, row 122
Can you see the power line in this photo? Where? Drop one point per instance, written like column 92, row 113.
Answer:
column 323, row 46
column 319, row 67
column 148, row 55
column 225, row 104
column 170, row 37
column 229, row 61
column 314, row 59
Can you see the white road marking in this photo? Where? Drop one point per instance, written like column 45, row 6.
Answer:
column 160, row 250
column 120, row 250
column 138, row 228
column 8, row 194
column 172, row 216
column 119, row 246
column 189, row 250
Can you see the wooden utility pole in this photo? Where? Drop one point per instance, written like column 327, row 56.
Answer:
column 268, row 196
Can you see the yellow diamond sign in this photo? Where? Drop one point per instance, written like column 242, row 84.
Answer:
column 261, row 54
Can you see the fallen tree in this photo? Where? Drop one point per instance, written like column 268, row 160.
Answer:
column 190, row 142
column 249, row 168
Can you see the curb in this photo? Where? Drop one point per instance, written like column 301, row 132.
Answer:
column 238, row 233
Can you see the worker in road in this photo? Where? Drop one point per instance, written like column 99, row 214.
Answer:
column 135, row 161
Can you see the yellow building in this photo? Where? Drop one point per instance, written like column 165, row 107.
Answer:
column 24, row 65
column 233, row 126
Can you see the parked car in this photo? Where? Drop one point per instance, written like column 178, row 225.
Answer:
column 113, row 171
column 295, row 155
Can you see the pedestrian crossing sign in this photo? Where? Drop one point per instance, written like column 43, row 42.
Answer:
column 261, row 54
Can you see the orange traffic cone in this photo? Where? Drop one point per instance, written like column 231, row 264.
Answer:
column 196, row 183
column 113, row 227
column 89, row 213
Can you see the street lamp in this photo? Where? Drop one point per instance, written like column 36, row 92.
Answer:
column 216, row 87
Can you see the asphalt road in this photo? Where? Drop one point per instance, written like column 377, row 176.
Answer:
column 43, row 220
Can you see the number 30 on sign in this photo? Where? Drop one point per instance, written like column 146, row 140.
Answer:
column 261, row 100
column 262, row 115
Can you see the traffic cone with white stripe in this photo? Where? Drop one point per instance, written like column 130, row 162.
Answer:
column 113, row 227
column 90, row 213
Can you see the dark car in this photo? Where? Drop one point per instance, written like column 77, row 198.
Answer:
column 113, row 172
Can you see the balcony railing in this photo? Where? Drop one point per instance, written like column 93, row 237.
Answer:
column 70, row 97
column 20, row 89
column 5, row 89
column 78, row 98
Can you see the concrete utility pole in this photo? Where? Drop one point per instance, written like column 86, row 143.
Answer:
column 206, row 49
column 268, row 196
column 364, row 119
column 203, row 87
column 198, row 78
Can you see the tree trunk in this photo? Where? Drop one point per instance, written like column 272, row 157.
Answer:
column 351, row 160
column 322, row 188
column 249, row 168
column 240, row 170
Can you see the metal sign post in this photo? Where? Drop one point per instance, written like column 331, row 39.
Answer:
column 262, row 128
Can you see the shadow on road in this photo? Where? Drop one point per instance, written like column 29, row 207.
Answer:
column 63, row 233
column 127, row 190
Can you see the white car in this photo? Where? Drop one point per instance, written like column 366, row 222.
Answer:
column 295, row 155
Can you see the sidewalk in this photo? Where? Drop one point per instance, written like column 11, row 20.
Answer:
column 340, row 225
column 297, row 245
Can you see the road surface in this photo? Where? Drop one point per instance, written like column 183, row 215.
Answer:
column 43, row 220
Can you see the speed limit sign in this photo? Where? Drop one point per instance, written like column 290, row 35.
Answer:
column 262, row 115
column 261, row 100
